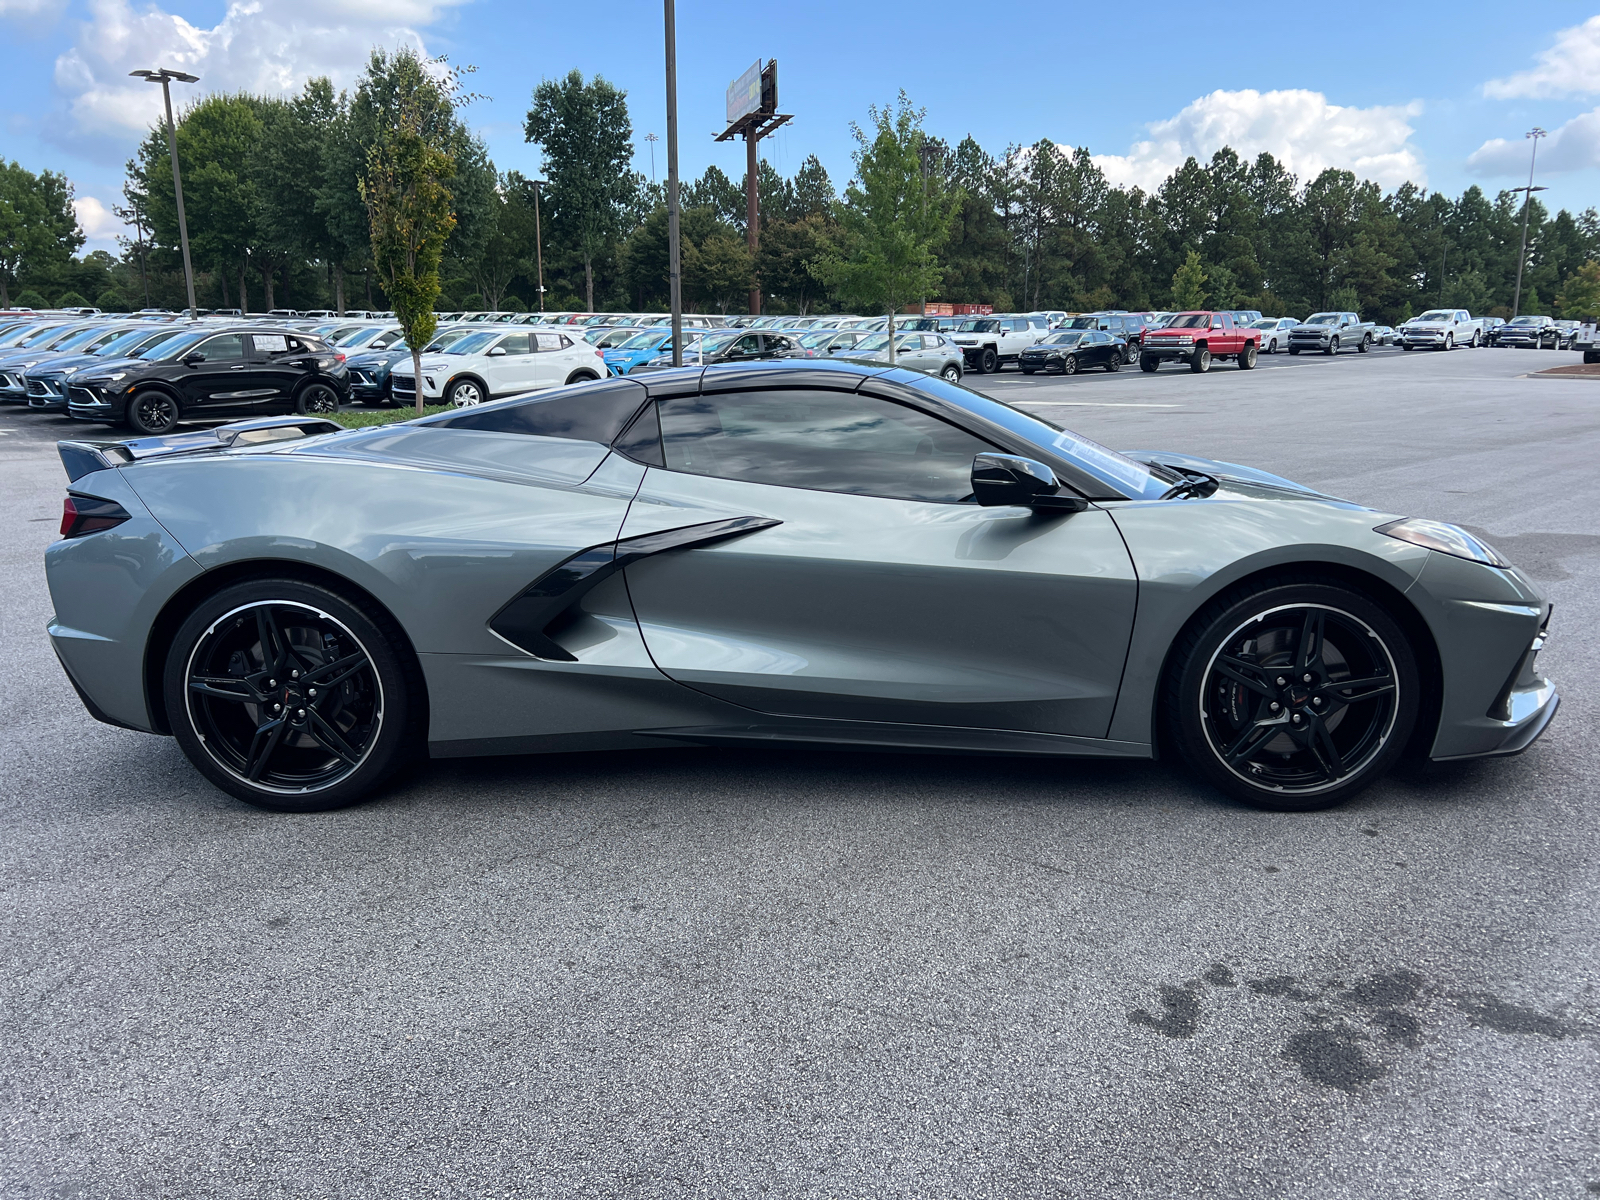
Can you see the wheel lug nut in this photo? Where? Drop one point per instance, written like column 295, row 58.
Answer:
column 1316, row 700
column 296, row 675
column 277, row 708
column 1282, row 681
column 303, row 713
column 272, row 683
column 1306, row 678
column 1296, row 718
column 1274, row 706
column 312, row 692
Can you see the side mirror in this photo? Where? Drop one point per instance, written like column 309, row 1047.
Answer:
column 498, row 352
column 1007, row 479
column 191, row 359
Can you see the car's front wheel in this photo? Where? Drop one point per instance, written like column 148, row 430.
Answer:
column 1294, row 696
column 1149, row 363
column 289, row 696
column 988, row 361
column 152, row 413
column 464, row 393
column 1201, row 362
column 1069, row 365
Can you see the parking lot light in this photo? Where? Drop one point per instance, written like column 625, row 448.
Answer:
column 165, row 77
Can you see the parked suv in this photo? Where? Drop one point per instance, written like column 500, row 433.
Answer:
column 990, row 342
column 47, row 381
column 489, row 363
column 1529, row 333
column 1441, row 329
column 1331, row 332
column 252, row 371
column 1200, row 338
column 369, row 369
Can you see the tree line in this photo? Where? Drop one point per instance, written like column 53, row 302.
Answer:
column 273, row 192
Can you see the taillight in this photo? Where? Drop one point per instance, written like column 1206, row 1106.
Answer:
column 90, row 514
column 339, row 354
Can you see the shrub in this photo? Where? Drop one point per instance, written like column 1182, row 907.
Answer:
column 31, row 299
column 71, row 300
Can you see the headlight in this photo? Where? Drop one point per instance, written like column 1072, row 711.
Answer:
column 68, row 370
column 1446, row 539
column 117, row 376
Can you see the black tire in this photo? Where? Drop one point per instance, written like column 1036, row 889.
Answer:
column 1366, row 344
column 1272, row 346
column 152, row 413
column 1226, row 671
column 1028, row 370
column 988, row 361
column 1201, row 362
column 1294, row 350
column 1405, row 346
column 581, row 377
column 1069, row 365
column 1449, row 343
column 275, row 742
column 1333, row 347
column 318, row 399
column 1131, row 352
column 1149, row 363
column 464, row 393
column 1476, row 337
column 1591, row 356
column 1247, row 357
column 952, row 373
column 1114, row 363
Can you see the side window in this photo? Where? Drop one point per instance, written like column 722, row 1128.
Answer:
column 822, row 441
column 750, row 343
column 516, row 343
column 228, row 348
column 931, row 341
column 549, row 341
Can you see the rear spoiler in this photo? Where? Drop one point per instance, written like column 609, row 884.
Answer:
column 85, row 458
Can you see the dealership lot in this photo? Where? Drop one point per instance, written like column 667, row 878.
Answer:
column 721, row 973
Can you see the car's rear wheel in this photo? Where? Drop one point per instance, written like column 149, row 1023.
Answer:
column 1247, row 357
column 152, row 413
column 582, row 377
column 317, row 398
column 1293, row 697
column 952, row 373
column 1130, row 353
column 289, row 696
column 1364, row 345
column 1201, row 362
column 1114, row 363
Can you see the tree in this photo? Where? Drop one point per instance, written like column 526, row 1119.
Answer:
column 1189, row 284
column 1580, row 296
column 38, row 228
column 411, row 211
column 586, row 136
column 892, row 222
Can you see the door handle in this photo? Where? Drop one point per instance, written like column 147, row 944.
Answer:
column 240, row 367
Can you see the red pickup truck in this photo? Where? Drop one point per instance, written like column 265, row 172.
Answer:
column 1199, row 339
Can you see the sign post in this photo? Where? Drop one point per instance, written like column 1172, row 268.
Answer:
column 753, row 114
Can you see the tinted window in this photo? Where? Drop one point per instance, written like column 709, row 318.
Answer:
column 516, row 343
column 823, row 441
column 227, row 348
column 593, row 414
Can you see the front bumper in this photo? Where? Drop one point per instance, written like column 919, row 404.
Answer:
column 92, row 404
column 1154, row 349
column 47, row 394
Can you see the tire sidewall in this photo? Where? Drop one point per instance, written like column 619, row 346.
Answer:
column 303, row 401
column 394, row 737
column 133, row 408
column 1220, row 619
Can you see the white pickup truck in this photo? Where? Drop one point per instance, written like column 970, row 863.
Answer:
column 1441, row 329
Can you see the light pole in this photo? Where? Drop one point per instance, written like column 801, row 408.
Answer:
column 674, row 276
column 165, row 77
column 1533, row 134
column 538, row 238
column 652, row 139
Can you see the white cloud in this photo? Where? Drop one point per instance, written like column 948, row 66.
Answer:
column 1299, row 128
column 1575, row 146
column 32, row 15
column 1571, row 67
column 270, row 46
column 99, row 224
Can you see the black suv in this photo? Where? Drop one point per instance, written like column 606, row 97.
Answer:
column 223, row 373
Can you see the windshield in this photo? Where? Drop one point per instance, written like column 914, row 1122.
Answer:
column 58, row 337
column 1190, row 321
column 1117, row 471
column 715, row 343
column 1062, row 339
column 1526, row 320
column 472, row 343
column 978, row 327
column 1437, row 314
column 1083, row 323
column 150, row 349
column 1323, row 319
column 643, row 341
column 1265, row 323
column 357, row 337
column 123, row 343
column 815, row 341
column 169, row 350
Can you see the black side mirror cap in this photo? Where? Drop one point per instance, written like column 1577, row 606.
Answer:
column 1008, row 479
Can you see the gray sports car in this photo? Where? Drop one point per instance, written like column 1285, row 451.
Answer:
column 779, row 553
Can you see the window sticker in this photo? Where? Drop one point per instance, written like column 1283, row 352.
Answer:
column 271, row 343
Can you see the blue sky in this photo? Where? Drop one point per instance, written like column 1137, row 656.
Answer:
column 1377, row 94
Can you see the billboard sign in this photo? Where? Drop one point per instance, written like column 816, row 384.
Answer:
column 744, row 94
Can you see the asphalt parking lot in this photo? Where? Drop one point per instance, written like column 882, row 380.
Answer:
column 738, row 974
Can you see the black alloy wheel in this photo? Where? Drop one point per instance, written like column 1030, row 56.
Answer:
column 288, row 696
column 1113, row 361
column 952, row 373
column 317, row 398
column 988, row 361
column 1069, row 364
column 152, row 413
column 1295, row 697
column 1201, row 362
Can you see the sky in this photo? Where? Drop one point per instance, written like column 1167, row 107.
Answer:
column 1440, row 95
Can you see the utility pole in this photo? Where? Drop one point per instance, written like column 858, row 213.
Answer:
column 164, row 77
column 652, row 139
column 674, row 274
column 1533, row 135
column 925, row 151
column 753, row 114
column 538, row 239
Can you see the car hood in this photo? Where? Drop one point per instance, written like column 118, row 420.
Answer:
column 1234, row 477
column 62, row 361
column 377, row 358
column 1426, row 325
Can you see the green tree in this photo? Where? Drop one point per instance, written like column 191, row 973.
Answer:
column 1580, row 296
column 718, row 271
column 411, row 211
column 38, row 228
column 587, row 139
column 1189, row 284
column 892, row 222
